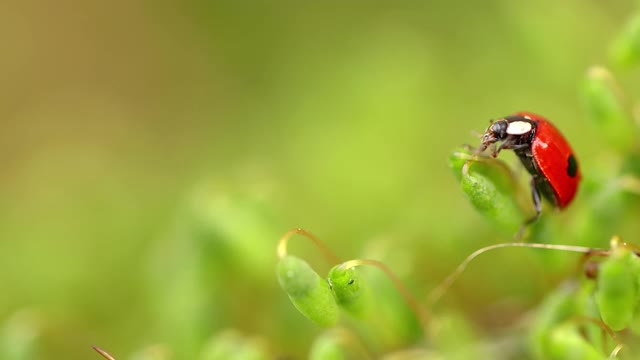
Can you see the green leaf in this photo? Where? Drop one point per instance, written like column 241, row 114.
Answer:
column 308, row 292
column 492, row 189
column 557, row 307
column 634, row 325
column 566, row 343
column 231, row 345
column 616, row 295
column 329, row 346
column 20, row 334
column 153, row 352
column 607, row 111
column 350, row 290
column 625, row 50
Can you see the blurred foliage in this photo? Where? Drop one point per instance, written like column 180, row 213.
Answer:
column 154, row 152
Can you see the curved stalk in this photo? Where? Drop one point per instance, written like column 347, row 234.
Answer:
column 439, row 291
column 282, row 245
column 420, row 313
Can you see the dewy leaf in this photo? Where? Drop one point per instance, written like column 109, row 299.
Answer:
column 617, row 291
column 492, row 189
column 350, row 290
column 308, row 292
column 626, row 48
column 607, row 110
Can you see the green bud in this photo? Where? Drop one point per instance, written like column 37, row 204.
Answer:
column 492, row 189
column 308, row 292
column 616, row 295
column 625, row 50
column 350, row 290
column 228, row 227
column 602, row 214
column 557, row 307
column 454, row 334
column 566, row 343
column 153, row 352
column 635, row 321
column 607, row 110
column 587, row 308
column 20, row 335
column 231, row 345
column 222, row 345
column 253, row 349
column 328, row 346
column 634, row 325
column 457, row 159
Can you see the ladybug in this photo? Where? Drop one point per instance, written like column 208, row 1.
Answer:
column 543, row 151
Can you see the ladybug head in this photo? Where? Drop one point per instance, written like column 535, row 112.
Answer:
column 495, row 132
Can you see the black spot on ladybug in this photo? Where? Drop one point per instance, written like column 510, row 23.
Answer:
column 572, row 166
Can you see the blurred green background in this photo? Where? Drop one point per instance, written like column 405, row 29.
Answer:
column 123, row 121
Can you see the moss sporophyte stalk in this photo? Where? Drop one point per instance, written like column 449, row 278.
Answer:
column 345, row 288
column 614, row 288
column 584, row 306
column 583, row 317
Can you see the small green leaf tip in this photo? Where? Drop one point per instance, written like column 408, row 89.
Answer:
column 566, row 342
column 625, row 51
column 232, row 345
column 308, row 292
column 492, row 189
column 607, row 111
column 616, row 294
column 349, row 289
column 329, row 346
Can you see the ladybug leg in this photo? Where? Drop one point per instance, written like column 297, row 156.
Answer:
column 511, row 145
column 537, row 203
column 471, row 149
column 494, row 151
column 475, row 151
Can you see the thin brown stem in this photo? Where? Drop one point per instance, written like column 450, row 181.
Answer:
column 282, row 245
column 587, row 256
column 605, row 330
column 103, row 353
column 440, row 290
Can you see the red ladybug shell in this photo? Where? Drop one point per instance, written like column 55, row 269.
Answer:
column 555, row 159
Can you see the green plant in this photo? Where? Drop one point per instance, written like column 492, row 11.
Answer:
column 357, row 312
column 581, row 319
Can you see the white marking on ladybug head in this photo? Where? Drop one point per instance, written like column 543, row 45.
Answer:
column 519, row 128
